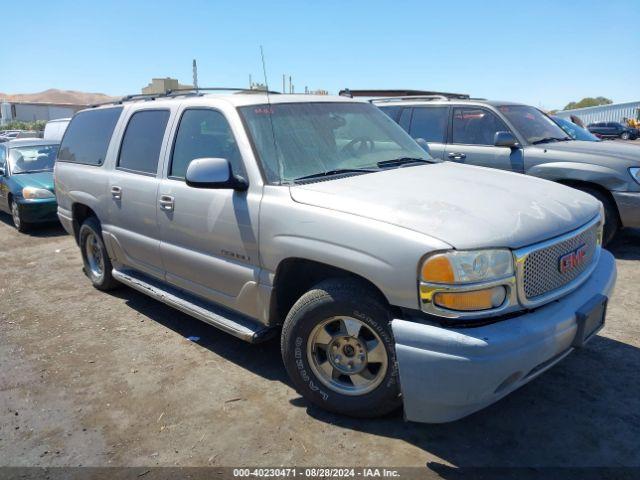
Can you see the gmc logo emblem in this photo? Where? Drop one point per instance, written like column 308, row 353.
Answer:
column 573, row 259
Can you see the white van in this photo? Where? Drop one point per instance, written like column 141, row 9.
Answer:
column 54, row 129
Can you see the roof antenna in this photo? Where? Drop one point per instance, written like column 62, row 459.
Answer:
column 273, row 131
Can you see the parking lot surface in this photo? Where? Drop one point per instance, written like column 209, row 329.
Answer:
column 118, row 379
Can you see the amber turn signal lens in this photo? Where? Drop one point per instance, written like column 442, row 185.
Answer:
column 468, row 301
column 438, row 269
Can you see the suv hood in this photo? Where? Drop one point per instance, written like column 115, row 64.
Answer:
column 464, row 206
column 628, row 155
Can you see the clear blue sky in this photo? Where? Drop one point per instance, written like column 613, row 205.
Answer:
column 544, row 53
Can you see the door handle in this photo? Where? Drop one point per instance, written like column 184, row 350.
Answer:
column 166, row 202
column 457, row 155
column 116, row 192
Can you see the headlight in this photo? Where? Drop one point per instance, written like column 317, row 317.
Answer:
column 467, row 267
column 32, row 193
column 635, row 173
column 466, row 282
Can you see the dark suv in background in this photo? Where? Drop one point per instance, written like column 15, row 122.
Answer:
column 613, row 130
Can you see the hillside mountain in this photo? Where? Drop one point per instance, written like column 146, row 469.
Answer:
column 54, row 95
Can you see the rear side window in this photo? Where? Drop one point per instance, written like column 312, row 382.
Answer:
column 429, row 123
column 142, row 141
column 87, row 138
column 203, row 133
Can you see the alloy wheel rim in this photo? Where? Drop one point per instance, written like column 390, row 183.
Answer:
column 93, row 251
column 347, row 356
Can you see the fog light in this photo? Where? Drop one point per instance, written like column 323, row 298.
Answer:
column 470, row 301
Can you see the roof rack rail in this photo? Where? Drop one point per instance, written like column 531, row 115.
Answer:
column 196, row 91
column 409, row 98
column 401, row 93
column 176, row 92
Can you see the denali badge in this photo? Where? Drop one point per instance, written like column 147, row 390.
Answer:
column 572, row 259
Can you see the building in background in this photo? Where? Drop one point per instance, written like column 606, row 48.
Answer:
column 11, row 111
column 615, row 112
column 161, row 85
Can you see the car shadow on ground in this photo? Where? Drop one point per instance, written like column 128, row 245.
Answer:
column 626, row 245
column 584, row 411
column 53, row 229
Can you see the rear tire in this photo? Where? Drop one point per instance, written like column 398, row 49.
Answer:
column 611, row 217
column 16, row 216
column 338, row 349
column 97, row 265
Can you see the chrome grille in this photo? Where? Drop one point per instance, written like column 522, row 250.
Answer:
column 541, row 270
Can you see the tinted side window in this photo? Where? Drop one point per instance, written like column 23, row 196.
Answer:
column 3, row 157
column 429, row 123
column 140, row 150
column 203, row 133
column 476, row 126
column 393, row 112
column 88, row 135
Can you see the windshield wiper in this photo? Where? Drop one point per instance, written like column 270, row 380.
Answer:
column 336, row 171
column 397, row 162
column 551, row 140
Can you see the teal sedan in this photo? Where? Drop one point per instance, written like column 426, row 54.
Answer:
column 26, row 181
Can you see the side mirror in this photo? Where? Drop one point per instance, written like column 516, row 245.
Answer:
column 424, row 145
column 505, row 139
column 213, row 173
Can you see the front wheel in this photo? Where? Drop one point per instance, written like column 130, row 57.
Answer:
column 16, row 215
column 611, row 216
column 625, row 136
column 338, row 349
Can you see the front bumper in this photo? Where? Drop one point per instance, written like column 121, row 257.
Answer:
column 38, row 210
column 448, row 373
column 629, row 207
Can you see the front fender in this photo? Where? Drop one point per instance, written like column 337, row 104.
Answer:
column 606, row 177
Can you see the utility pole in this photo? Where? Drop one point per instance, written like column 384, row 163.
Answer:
column 290, row 85
column 195, row 75
column 250, row 82
column 284, row 77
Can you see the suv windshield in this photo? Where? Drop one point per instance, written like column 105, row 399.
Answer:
column 532, row 124
column 34, row 158
column 296, row 140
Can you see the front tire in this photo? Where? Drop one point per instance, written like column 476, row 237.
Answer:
column 16, row 215
column 338, row 350
column 625, row 136
column 611, row 216
column 97, row 265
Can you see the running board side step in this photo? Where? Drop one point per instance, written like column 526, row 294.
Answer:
column 233, row 323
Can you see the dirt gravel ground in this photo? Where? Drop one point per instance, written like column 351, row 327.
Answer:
column 97, row 379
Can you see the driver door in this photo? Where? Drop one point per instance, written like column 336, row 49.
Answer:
column 473, row 131
column 209, row 237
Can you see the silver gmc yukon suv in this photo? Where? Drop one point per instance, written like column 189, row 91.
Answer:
column 393, row 278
